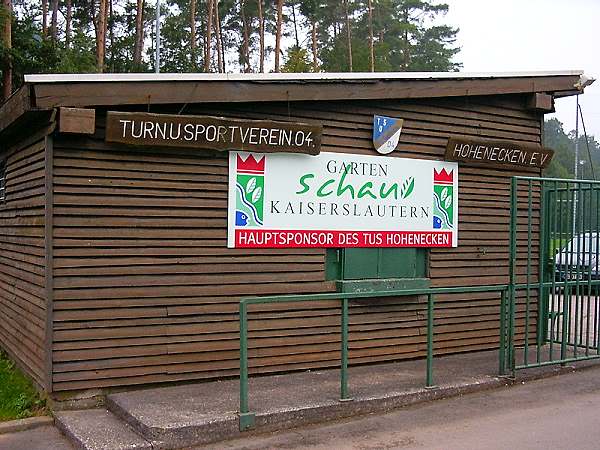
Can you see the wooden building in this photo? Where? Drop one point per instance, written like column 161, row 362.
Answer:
column 114, row 265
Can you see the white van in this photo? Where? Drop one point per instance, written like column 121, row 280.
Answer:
column 579, row 258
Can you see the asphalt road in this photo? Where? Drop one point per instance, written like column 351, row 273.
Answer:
column 557, row 413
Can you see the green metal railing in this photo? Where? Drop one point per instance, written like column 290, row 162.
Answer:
column 247, row 418
column 566, row 321
column 551, row 212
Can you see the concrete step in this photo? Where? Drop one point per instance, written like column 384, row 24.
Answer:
column 99, row 429
column 175, row 417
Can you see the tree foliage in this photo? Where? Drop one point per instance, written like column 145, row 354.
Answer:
column 228, row 35
column 563, row 144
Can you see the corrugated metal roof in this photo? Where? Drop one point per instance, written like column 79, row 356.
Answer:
column 288, row 77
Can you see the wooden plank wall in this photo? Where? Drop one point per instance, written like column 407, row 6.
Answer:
column 22, row 258
column 146, row 290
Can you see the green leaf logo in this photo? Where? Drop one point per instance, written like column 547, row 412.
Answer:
column 444, row 194
column 407, row 187
column 448, row 201
column 251, row 185
column 256, row 195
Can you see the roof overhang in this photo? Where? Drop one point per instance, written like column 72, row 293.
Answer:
column 45, row 92
column 281, row 77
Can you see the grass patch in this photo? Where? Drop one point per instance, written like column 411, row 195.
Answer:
column 18, row 398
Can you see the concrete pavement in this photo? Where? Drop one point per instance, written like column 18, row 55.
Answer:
column 42, row 438
column 199, row 413
column 554, row 413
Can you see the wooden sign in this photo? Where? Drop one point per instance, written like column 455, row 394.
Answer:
column 497, row 153
column 215, row 133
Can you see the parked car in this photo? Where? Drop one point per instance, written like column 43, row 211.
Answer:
column 580, row 258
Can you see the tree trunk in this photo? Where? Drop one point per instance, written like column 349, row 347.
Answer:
column 314, row 45
column 278, row 33
column 245, row 43
column 371, row 49
column 92, row 16
column 101, row 35
column 54, row 21
column 261, row 35
column 7, row 41
column 68, row 19
column 139, row 35
column 208, row 37
column 221, row 42
column 381, row 34
column 111, row 34
column 295, row 25
column 44, row 18
column 219, row 37
column 202, row 33
column 193, row 34
column 349, row 36
column 405, row 56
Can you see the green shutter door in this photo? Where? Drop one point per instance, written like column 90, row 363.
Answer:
column 369, row 263
column 361, row 263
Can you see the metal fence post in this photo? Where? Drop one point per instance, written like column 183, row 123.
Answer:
column 512, row 272
column 542, row 322
column 502, row 355
column 344, row 350
column 246, row 417
column 429, row 381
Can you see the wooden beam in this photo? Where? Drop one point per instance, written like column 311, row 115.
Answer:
column 50, row 95
column 567, row 93
column 77, row 120
column 26, row 127
column 49, row 259
column 17, row 105
column 541, row 102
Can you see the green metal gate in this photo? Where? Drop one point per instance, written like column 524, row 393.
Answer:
column 552, row 313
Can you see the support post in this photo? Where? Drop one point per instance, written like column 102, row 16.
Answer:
column 429, row 381
column 246, row 417
column 502, row 352
column 344, row 396
column 512, row 273
column 542, row 317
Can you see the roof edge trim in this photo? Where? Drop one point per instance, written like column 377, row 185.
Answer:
column 281, row 77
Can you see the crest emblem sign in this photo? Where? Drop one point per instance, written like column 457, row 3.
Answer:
column 386, row 133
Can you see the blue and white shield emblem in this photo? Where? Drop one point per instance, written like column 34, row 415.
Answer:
column 386, row 133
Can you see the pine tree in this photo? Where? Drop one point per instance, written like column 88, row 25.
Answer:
column 278, row 32
column 208, row 35
column 233, row 35
column 139, row 34
column 261, row 35
column 310, row 9
column 100, row 24
column 44, row 18
column 423, row 47
column 371, row 45
column 7, row 63
column 54, row 21
column 68, row 22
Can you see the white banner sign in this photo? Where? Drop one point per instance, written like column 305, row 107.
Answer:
column 341, row 200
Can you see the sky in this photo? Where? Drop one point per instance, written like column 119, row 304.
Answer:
column 525, row 35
